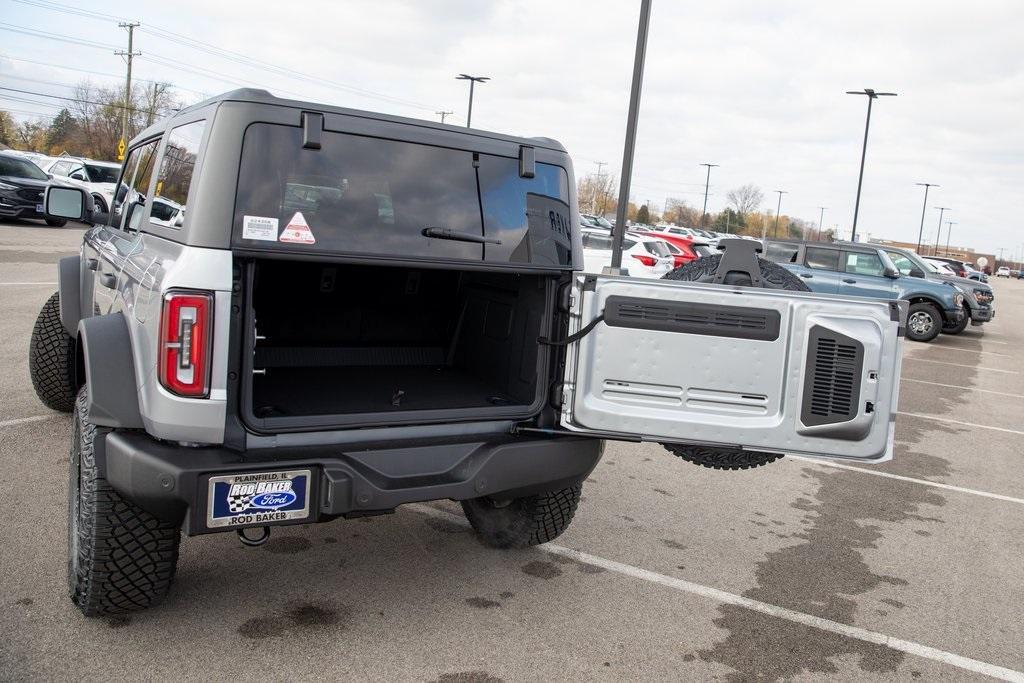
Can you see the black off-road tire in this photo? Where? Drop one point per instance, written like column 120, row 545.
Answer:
column 919, row 331
column 957, row 328
column 522, row 522
column 703, row 270
column 56, row 222
column 51, row 359
column 120, row 557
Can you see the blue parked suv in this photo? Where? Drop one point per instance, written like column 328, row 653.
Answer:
column 849, row 269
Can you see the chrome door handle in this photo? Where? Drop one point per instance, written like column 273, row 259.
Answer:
column 108, row 280
column 849, row 281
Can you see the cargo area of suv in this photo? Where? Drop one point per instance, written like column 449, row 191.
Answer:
column 356, row 344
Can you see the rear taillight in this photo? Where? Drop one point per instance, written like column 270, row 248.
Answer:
column 646, row 260
column 185, row 331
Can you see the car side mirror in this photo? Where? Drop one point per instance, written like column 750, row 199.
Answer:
column 72, row 203
column 133, row 214
column 77, row 175
column 916, row 272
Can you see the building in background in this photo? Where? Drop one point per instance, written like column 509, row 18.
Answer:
column 966, row 254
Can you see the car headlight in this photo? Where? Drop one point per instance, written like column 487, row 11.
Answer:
column 983, row 296
column 6, row 186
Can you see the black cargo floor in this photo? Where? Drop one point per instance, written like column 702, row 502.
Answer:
column 374, row 389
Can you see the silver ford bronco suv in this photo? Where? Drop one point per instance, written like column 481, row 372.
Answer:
column 296, row 312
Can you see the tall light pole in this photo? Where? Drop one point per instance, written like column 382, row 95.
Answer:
column 630, row 144
column 942, row 210
column 473, row 80
column 778, row 208
column 594, row 208
column 444, row 114
column 924, row 207
column 707, row 184
column 949, row 232
column 871, row 95
column 820, row 219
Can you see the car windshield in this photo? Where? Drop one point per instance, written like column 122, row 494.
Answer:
column 102, row 174
column 20, row 168
column 657, row 247
column 604, row 223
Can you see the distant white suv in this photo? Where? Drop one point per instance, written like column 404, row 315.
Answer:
column 98, row 177
column 1003, row 272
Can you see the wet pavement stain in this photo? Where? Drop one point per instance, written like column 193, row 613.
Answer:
column 822, row 576
column 444, row 526
column 542, row 570
column 482, row 603
column 468, row 677
column 297, row 616
column 663, row 492
column 287, row 545
column 674, row 545
column 23, row 601
column 505, row 595
column 330, row 539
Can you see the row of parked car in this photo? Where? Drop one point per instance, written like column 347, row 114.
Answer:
column 24, row 176
column 945, row 295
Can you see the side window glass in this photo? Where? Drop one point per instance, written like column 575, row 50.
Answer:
column 781, row 252
column 864, row 264
column 902, row 263
column 175, row 178
column 134, row 186
column 60, row 168
column 822, row 259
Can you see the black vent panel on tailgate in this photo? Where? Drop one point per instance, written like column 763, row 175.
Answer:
column 834, row 367
column 740, row 322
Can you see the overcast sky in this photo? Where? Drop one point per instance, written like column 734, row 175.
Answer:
column 756, row 87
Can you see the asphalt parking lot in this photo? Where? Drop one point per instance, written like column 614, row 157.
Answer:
column 908, row 570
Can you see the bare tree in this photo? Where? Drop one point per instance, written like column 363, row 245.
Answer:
column 595, row 193
column 745, row 198
column 678, row 211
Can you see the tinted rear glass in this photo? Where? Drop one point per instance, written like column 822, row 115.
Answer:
column 780, row 252
column 657, row 248
column 375, row 196
column 20, row 168
column 102, row 174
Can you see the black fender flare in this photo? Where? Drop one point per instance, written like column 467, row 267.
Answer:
column 69, row 284
column 106, row 353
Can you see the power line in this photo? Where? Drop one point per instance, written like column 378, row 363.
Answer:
column 76, row 99
column 53, row 36
column 92, row 72
column 230, row 55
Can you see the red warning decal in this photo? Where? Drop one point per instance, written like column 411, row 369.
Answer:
column 297, row 231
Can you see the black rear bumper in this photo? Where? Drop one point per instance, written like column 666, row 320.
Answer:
column 171, row 481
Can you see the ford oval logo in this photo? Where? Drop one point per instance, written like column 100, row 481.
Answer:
column 273, row 501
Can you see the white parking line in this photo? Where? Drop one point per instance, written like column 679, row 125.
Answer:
column 958, row 422
column 912, row 480
column 944, row 347
column 775, row 611
column 18, row 284
column 960, row 365
column 957, row 386
column 25, row 420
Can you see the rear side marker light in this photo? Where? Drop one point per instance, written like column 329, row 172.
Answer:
column 646, row 260
column 186, row 325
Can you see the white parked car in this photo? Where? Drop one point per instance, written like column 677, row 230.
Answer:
column 98, row 177
column 642, row 256
column 941, row 267
column 1003, row 271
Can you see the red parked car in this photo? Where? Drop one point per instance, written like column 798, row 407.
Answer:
column 683, row 249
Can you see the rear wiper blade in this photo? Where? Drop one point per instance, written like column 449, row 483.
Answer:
column 449, row 234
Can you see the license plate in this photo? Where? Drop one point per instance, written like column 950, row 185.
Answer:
column 258, row 498
column 39, row 208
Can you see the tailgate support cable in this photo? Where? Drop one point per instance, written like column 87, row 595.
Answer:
column 573, row 338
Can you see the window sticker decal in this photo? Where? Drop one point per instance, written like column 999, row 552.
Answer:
column 259, row 228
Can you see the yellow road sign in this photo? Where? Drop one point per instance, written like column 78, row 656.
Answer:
column 120, row 149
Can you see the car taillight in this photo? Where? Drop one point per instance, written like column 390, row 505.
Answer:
column 646, row 260
column 185, row 333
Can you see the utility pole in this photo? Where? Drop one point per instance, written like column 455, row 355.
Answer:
column 775, row 232
column 820, row 219
column 444, row 114
column 630, row 145
column 942, row 210
column 131, row 25
column 871, row 95
column 473, row 80
column 707, row 184
column 949, row 232
column 924, row 207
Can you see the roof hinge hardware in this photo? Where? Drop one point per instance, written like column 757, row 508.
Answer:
column 527, row 162
column 312, row 129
